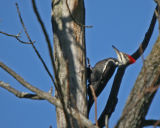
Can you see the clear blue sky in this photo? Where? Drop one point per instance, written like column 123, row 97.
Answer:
column 119, row 23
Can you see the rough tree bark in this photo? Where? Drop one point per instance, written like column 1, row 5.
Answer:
column 70, row 53
column 143, row 92
column 68, row 19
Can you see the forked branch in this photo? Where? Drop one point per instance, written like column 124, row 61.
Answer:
column 46, row 96
column 16, row 37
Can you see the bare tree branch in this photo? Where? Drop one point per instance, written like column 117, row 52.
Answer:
column 16, row 37
column 21, row 80
column 32, row 43
column 56, row 83
column 37, row 91
column 18, row 93
column 44, row 32
column 113, row 99
column 47, row 96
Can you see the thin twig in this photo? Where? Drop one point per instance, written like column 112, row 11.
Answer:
column 16, row 37
column 21, row 20
column 45, row 34
column 32, row 43
column 75, row 20
column 95, row 100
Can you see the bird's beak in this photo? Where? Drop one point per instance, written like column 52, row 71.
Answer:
column 118, row 53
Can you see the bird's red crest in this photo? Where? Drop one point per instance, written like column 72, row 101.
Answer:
column 131, row 59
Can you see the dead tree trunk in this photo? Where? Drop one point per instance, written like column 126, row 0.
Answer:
column 68, row 18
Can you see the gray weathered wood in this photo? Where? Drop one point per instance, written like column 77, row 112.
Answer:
column 70, row 54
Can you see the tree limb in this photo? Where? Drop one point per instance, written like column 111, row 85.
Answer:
column 15, row 36
column 46, row 96
column 24, row 83
column 21, row 80
column 113, row 99
column 18, row 93
column 44, row 32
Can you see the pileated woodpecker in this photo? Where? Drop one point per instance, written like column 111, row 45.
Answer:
column 101, row 73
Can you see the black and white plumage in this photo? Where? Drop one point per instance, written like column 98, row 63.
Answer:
column 103, row 70
column 100, row 75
